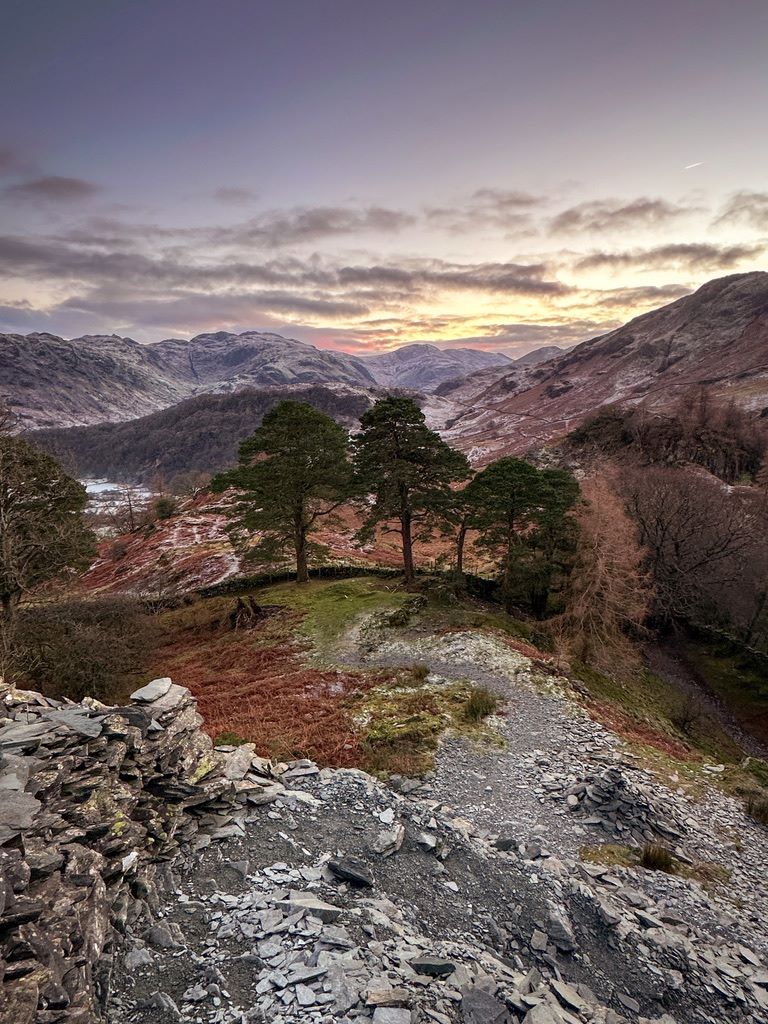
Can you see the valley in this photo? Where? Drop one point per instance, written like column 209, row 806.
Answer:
column 470, row 678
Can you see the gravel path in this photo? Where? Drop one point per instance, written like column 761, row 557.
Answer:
column 549, row 742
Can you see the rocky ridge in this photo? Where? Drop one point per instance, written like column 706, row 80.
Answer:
column 424, row 367
column 714, row 338
column 53, row 382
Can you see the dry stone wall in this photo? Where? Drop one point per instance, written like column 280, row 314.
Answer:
column 97, row 804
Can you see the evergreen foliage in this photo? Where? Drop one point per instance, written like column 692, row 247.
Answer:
column 408, row 469
column 292, row 472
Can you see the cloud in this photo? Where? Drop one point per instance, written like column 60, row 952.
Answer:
column 690, row 256
column 235, row 196
column 52, row 188
column 617, row 215
column 309, row 224
column 627, row 298
column 508, row 211
column 201, row 311
column 750, row 208
column 52, row 259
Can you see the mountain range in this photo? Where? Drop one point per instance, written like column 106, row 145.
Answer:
column 51, row 382
column 424, row 367
column 483, row 402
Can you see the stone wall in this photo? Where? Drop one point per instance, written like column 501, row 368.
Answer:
column 97, row 803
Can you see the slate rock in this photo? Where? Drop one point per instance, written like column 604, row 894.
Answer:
column 152, row 691
column 433, row 966
column 352, row 870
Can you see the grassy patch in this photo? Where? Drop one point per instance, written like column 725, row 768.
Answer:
column 402, row 721
column 481, row 703
column 649, row 712
column 655, row 857
column 327, row 610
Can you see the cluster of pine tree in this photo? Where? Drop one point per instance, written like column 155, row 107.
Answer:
column 300, row 467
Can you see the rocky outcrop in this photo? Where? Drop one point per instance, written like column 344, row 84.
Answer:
column 97, row 806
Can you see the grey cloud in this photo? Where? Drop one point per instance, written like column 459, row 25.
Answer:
column 235, row 196
column 617, row 215
column 197, row 309
column 308, row 224
column 652, row 295
column 692, row 256
column 53, row 188
column 750, row 208
column 53, row 259
column 509, row 211
column 510, row 278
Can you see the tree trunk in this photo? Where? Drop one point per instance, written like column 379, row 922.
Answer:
column 506, row 583
column 405, row 530
column 460, row 540
column 300, row 543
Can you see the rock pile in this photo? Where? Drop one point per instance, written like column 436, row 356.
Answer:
column 623, row 808
column 97, row 803
column 305, row 920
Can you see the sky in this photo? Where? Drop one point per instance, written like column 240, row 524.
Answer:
column 361, row 175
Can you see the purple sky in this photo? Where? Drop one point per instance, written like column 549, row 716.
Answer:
column 361, row 175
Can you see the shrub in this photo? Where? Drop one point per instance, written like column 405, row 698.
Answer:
column 757, row 808
column 165, row 507
column 656, row 857
column 480, row 703
column 118, row 549
column 80, row 649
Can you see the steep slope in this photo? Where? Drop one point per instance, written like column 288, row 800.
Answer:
column 200, row 434
column 51, row 382
column 424, row 367
column 716, row 338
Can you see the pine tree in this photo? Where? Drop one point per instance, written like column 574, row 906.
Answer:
column 292, row 472
column 42, row 531
column 519, row 512
column 408, row 469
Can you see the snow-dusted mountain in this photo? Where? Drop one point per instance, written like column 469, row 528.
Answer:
column 52, row 382
column 716, row 338
column 423, row 367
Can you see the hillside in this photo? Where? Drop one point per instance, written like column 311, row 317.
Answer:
column 51, row 382
column 200, row 434
column 715, row 338
column 424, row 367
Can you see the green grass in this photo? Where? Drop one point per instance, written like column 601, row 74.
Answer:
column 655, row 707
column 404, row 719
column 328, row 609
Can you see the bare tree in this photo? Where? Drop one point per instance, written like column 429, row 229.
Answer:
column 698, row 534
